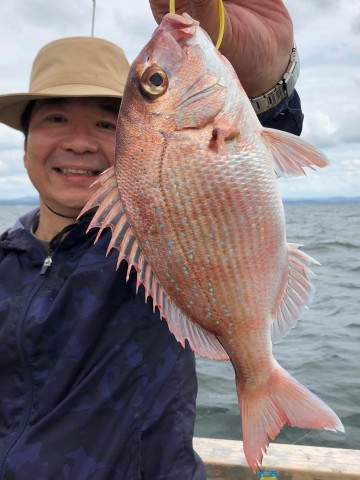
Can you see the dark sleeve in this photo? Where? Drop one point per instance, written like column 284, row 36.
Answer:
column 286, row 116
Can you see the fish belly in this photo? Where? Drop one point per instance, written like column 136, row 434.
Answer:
column 212, row 228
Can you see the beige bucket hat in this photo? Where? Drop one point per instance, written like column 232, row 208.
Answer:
column 70, row 67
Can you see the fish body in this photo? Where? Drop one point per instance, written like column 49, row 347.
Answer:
column 194, row 206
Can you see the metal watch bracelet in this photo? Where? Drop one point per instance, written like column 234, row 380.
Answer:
column 282, row 89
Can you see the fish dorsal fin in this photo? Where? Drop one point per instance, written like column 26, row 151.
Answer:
column 111, row 214
column 297, row 294
column 291, row 153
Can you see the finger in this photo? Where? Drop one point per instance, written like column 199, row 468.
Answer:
column 207, row 13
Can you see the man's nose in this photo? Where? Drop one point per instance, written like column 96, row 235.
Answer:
column 80, row 140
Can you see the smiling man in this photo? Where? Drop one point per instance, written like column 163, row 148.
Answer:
column 93, row 385
column 70, row 141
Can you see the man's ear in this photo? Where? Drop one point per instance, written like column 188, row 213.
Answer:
column 25, row 153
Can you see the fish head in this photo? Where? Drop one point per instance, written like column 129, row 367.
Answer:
column 177, row 82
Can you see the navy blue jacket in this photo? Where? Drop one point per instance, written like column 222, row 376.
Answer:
column 92, row 384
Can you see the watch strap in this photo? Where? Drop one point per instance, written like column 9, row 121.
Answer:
column 282, row 89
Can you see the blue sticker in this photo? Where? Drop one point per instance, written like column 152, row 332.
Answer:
column 268, row 475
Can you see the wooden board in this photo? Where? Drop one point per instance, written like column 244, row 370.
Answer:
column 225, row 460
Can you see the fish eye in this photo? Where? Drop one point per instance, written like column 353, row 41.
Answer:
column 154, row 81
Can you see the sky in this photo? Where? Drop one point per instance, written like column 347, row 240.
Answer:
column 327, row 34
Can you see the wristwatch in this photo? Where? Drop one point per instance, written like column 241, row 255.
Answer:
column 282, row 89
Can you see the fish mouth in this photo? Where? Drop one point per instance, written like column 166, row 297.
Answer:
column 181, row 27
column 174, row 21
column 78, row 171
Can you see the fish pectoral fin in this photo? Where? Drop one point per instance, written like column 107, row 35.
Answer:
column 219, row 137
column 297, row 295
column 291, row 153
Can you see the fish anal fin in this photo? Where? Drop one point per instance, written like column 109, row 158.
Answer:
column 280, row 401
column 291, row 153
column 201, row 341
column 298, row 292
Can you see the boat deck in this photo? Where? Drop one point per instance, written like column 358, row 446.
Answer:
column 225, row 460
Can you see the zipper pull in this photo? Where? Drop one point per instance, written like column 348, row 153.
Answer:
column 47, row 264
column 54, row 243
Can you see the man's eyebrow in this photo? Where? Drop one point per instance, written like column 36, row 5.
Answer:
column 109, row 108
column 63, row 101
column 52, row 101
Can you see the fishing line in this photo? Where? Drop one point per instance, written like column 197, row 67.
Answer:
column 222, row 23
column 221, row 19
column 172, row 6
column 299, row 439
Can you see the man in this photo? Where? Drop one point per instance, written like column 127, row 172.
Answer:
column 93, row 385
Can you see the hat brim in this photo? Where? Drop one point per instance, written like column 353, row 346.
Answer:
column 12, row 106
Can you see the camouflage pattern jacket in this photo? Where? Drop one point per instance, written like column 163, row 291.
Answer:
column 92, row 384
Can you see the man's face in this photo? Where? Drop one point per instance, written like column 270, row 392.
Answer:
column 70, row 142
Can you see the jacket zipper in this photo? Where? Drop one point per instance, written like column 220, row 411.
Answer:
column 47, row 264
column 20, row 343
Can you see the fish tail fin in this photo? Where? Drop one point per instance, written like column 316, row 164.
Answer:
column 282, row 400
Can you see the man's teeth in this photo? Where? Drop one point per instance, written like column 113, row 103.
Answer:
column 78, row 171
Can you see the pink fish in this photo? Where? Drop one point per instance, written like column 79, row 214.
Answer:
column 194, row 206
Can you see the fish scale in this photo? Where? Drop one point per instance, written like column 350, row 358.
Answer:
column 194, row 207
column 212, row 227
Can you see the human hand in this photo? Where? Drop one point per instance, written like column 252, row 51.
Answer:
column 258, row 36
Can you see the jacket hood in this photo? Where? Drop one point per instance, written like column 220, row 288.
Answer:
column 18, row 237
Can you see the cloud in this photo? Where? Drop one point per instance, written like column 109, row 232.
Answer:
column 307, row 12
column 340, row 179
column 327, row 35
column 13, row 177
column 330, row 104
column 319, row 128
column 23, row 187
column 10, row 139
column 11, row 162
column 44, row 14
column 139, row 29
column 14, row 182
column 355, row 26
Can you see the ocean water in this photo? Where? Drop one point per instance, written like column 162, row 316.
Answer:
column 322, row 352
